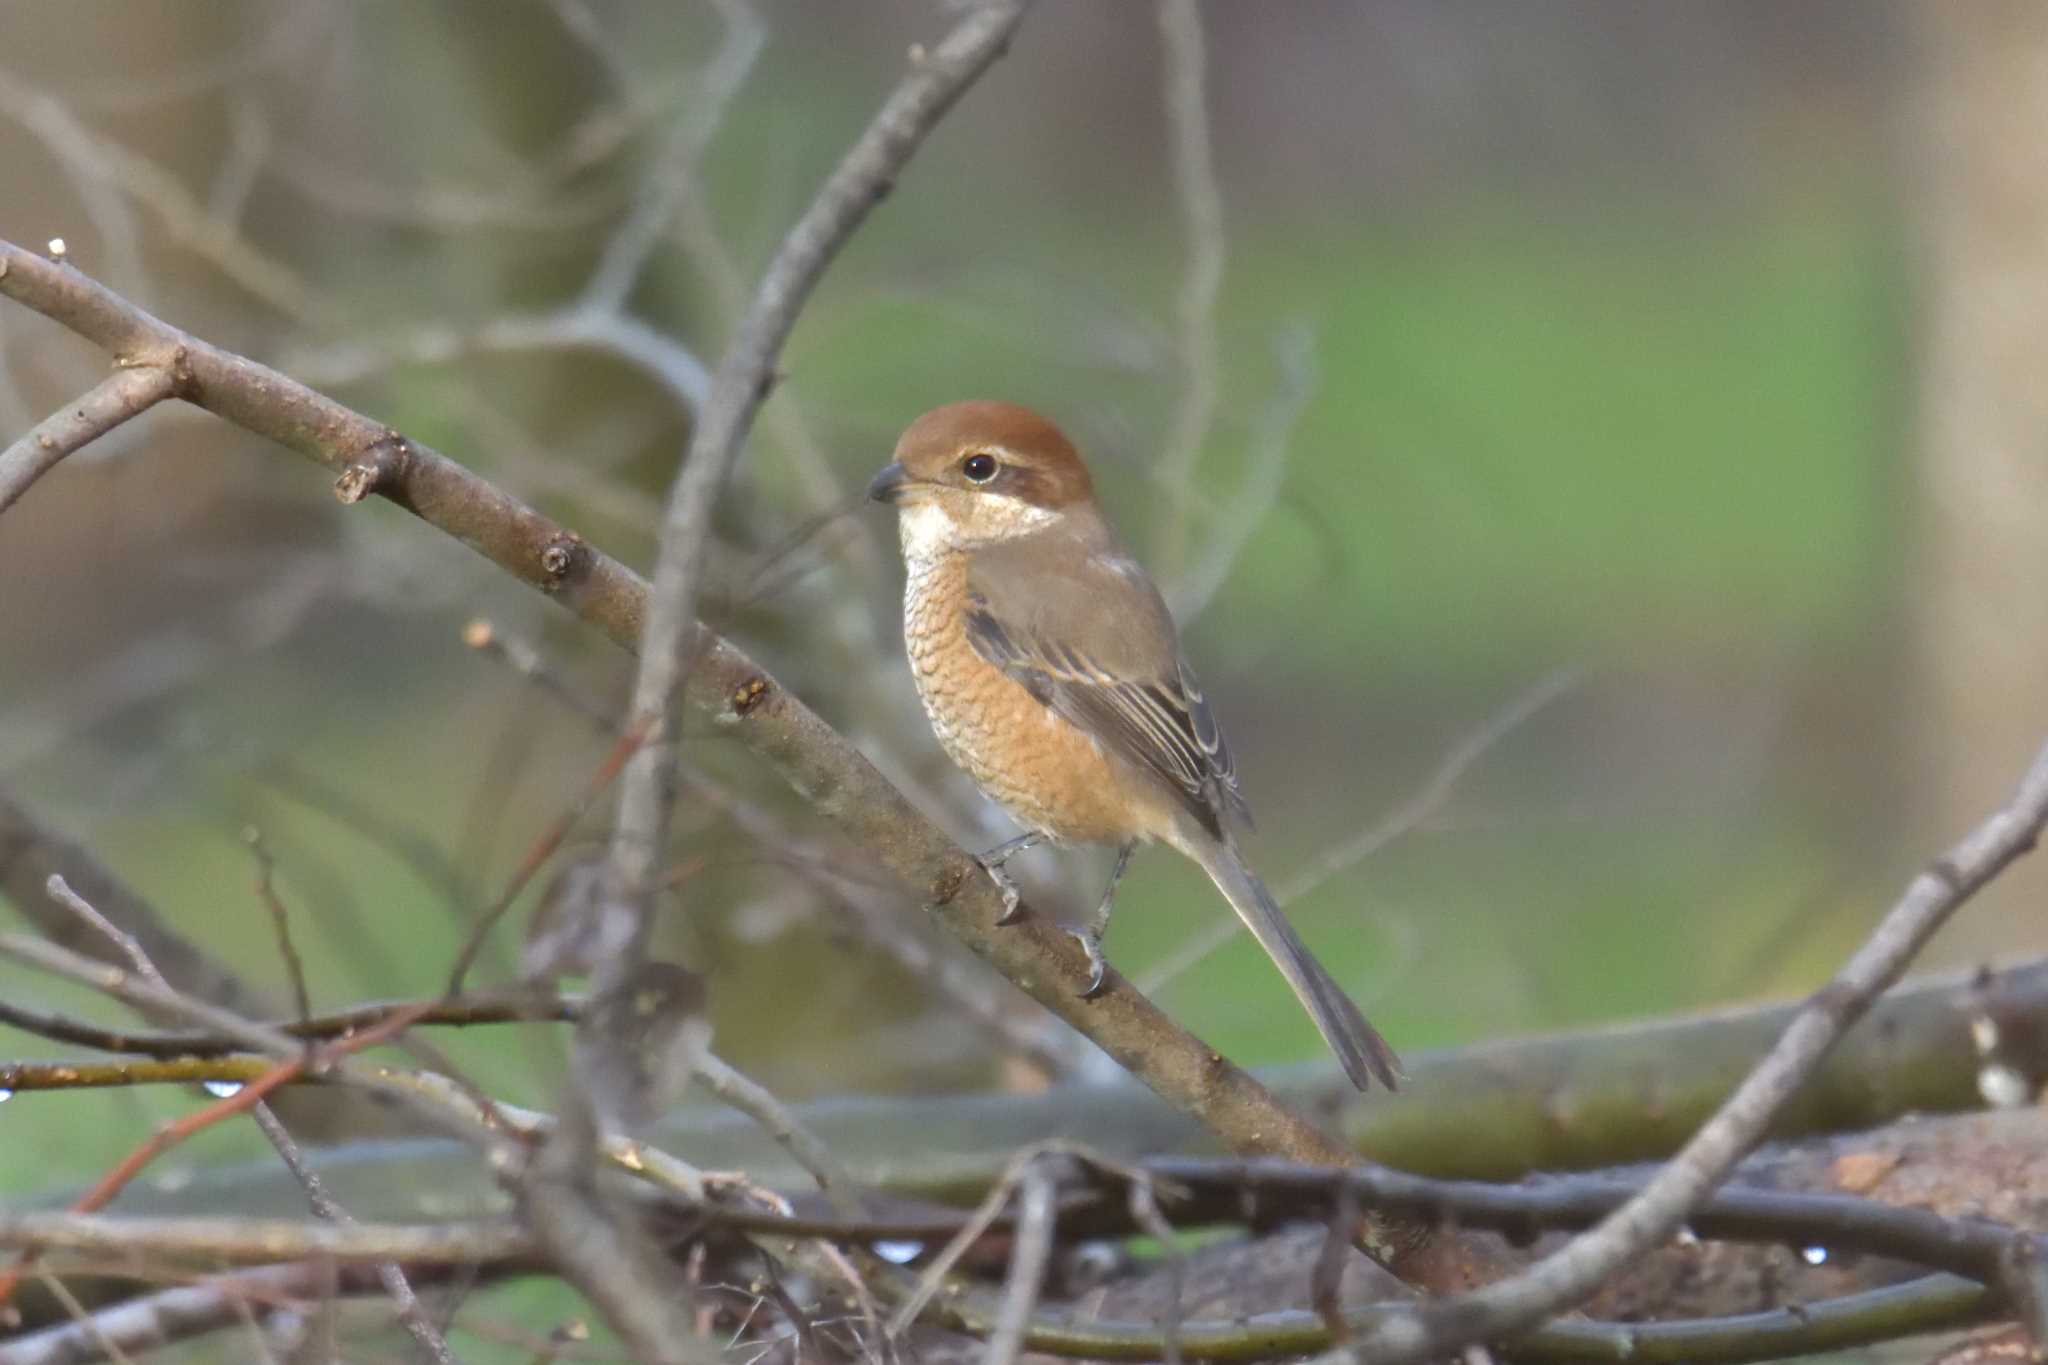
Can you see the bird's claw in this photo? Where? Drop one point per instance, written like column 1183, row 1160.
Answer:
column 1098, row 965
column 1013, row 899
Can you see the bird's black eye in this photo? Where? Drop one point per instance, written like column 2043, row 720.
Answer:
column 979, row 467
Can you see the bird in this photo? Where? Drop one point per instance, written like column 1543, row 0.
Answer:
column 1052, row 672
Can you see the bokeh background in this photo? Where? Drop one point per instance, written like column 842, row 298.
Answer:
column 1642, row 404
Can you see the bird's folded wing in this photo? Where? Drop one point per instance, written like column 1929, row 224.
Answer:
column 1091, row 640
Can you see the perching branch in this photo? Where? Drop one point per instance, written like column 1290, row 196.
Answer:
column 740, row 385
column 723, row 684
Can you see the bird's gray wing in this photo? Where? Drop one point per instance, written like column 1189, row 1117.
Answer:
column 1084, row 630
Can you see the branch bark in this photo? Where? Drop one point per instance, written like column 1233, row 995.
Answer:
column 744, row 377
column 121, row 395
column 1511, row 1306
column 724, row 685
column 1497, row 1111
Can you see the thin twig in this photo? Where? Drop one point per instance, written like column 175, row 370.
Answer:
column 725, row 684
column 1427, row 802
column 462, row 1011
column 146, row 996
column 1145, row 1213
column 122, row 395
column 1201, row 206
column 1264, row 476
column 62, row 1293
column 756, row 1102
column 34, row 851
column 910, row 1305
column 526, row 660
column 544, row 847
column 626, row 254
column 61, row 892
column 609, row 1258
column 1403, row 820
column 1928, row 1304
column 109, row 172
column 261, row 1240
column 171, row 1134
column 153, row 1320
column 1028, row 1258
column 280, row 921
column 410, row 1311
column 250, row 1096
column 869, row 169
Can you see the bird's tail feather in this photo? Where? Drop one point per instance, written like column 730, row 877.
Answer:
column 1357, row 1044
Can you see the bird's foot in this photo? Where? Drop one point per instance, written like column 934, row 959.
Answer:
column 992, row 863
column 1090, row 939
column 1013, row 899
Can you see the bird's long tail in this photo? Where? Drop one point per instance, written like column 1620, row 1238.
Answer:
column 1357, row 1044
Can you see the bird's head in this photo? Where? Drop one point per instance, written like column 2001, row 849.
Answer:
column 981, row 472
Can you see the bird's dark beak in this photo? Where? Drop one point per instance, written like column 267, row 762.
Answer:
column 888, row 485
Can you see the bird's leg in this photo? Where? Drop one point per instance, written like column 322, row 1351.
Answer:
column 1090, row 935
column 992, row 863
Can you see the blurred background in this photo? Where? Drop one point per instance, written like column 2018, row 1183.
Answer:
column 1605, row 497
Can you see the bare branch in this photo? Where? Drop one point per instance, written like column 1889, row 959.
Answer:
column 1409, row 816
column 1145, row 1213
column 280, row 921
column 609, row 1259
column 157, row 1319
column 76, row 149
column 460, row 1011
column 1028, row 1259
column 131, row 1241
column 124, row 394
column 410, row 1311
column 728, row 687
column 756, row 1102
column 654, row 353
column 867, row 172
column 109, row 173
column 1265, row 472
column 1503, row 1309
column 1201, row 206
column 31, row 852
column 162, row 1002
column 1924, row 1305
column 61, row 892
column 674, row 176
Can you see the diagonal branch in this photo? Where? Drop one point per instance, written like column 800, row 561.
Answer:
column 1656, row 1212
column 741, row 384
column 121, row 395
column 724, row 685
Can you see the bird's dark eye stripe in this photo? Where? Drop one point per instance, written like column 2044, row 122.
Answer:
column 980, row 467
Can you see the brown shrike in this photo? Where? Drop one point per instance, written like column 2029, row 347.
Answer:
column 1052, row 673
